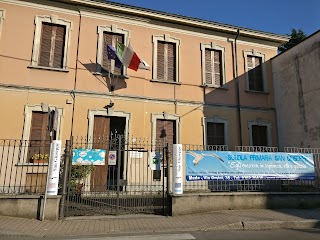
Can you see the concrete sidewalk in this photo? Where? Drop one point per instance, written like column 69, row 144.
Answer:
column 219, row 220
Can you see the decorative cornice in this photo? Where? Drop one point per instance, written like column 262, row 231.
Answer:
column 59, row 8
column 142, row 17
column 8, row 87
column 173, row 18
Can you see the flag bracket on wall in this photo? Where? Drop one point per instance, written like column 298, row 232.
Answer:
column 122, row 56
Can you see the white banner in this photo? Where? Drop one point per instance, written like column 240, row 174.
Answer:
column 112, row 159
column 177, row 169
column 136, row 154
column 54, row 167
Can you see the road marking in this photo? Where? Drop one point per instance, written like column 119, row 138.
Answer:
column 185, row 236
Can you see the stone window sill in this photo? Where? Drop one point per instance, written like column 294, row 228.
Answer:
column 31, row 164
column 49, row 68
column 112, row 75
column 212, row 86
column 257, row 92
column 167, row 82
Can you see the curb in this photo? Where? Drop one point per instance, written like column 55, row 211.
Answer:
column 238, row 226
column 266, row 225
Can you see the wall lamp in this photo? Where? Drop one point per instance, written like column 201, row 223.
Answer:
column 109, row 108
column 165, row 115
column 44, row 107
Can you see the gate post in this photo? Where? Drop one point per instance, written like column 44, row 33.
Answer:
column 168, row 177
column 120, row 138
column 164, row 196
column 67, row 154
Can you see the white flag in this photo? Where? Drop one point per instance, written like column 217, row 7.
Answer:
column 144, row 65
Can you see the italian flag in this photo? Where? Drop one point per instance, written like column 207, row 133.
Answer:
column 128, row 56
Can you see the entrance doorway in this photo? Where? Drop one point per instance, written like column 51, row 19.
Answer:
column 105, row 130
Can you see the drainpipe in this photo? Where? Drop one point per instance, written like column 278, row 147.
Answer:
column 75, row 75
column 238, row 88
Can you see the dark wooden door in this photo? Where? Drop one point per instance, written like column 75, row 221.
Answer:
column 101, row 132
column 39, row 143
column 166, row 133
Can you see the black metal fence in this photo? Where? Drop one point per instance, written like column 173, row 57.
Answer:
column 23, row 166
column 128, row 182
column 136, row 176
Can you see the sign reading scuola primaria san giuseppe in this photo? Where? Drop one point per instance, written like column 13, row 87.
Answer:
column 227, row 165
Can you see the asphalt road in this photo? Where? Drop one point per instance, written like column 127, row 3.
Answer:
column 286, row 234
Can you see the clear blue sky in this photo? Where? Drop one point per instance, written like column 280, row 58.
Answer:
column 276, row 16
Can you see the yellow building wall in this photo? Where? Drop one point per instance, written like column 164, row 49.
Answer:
column 136, row 95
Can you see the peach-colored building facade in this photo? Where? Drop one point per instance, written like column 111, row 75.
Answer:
column 78, row 92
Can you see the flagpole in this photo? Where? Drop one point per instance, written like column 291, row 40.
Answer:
column 109, row 70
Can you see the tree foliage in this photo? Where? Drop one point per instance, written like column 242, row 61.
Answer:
column 78, row 174
column 297, row 36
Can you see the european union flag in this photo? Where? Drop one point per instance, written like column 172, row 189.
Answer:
column 112, row 54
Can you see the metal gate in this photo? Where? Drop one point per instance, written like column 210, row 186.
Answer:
column 131, row 181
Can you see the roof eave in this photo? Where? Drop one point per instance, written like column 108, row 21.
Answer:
column 126, row 9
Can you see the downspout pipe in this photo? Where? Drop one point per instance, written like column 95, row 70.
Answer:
column 238, row 88
column 75, row 75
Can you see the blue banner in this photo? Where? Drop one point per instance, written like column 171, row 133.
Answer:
column 83, row 156
column 213, row 165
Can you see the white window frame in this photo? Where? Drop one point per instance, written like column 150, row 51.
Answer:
column 165, row 38
column 164, row 116
column 54, row 19
column 216, row 119
column 2, row 15
column 106, row 113
column 112, row 29
column 212, row 46
column 28, row 117
column 260, row 122
column 254, row 53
